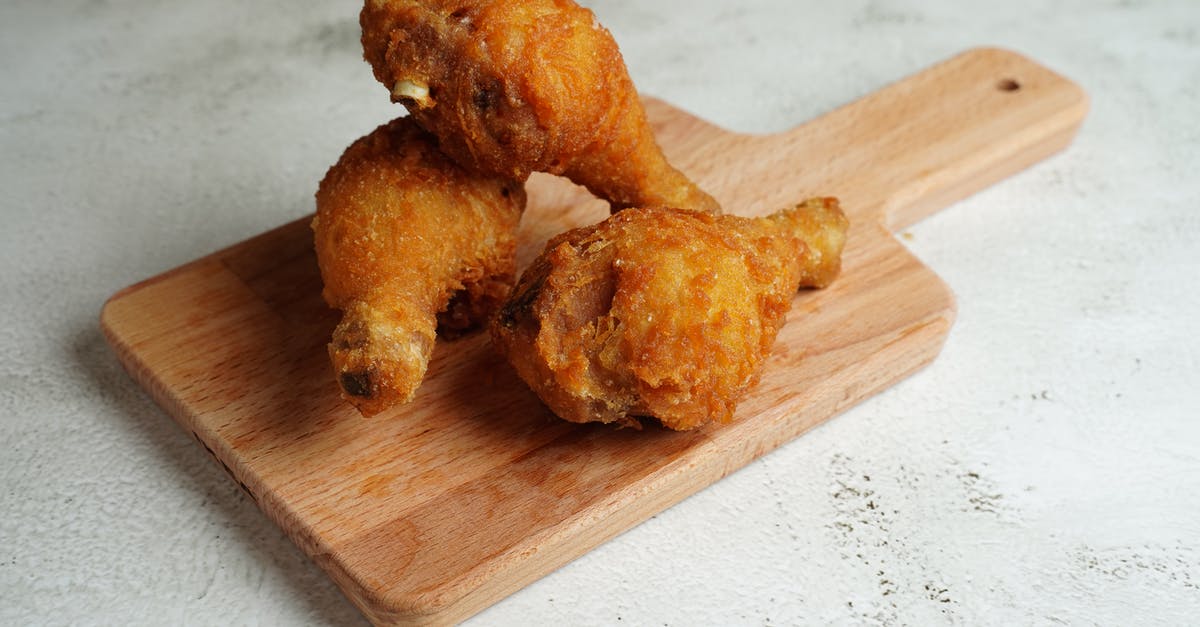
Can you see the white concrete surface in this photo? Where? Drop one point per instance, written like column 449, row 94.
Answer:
column 1046, row 469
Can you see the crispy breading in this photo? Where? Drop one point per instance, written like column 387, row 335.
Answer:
column 663, row 312
column 512, row 88
column 409, row 245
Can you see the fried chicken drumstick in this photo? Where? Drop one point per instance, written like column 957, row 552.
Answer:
column 511, row 88
column 408, row 243
column 662, row 312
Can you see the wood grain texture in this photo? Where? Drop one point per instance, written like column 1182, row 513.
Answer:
column 435, row 510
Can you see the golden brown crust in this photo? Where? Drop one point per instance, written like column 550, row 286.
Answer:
column 512, row 88
column 662, row 312
column 406, row 241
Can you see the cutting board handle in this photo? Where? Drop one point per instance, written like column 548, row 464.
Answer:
column 935, row 137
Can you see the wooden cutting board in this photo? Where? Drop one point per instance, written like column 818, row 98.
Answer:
column 435, row 510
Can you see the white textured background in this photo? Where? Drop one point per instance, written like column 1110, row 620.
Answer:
column 1045, row 469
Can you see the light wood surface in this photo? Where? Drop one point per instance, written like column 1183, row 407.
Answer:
column 435, row 510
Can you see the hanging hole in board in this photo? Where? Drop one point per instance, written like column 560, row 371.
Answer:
column 1008, row 84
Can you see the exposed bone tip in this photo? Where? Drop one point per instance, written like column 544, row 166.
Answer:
column 409, row 90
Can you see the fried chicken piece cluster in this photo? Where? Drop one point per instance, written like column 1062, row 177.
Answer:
column 656, row 312
column 511, row 88
column 409, row 245
column 663, row 313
